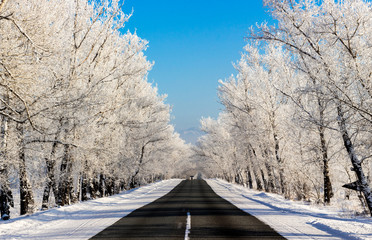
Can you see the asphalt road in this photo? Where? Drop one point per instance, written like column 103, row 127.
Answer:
column 212, row 217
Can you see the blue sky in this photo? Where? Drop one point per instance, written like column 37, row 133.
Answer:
column 193, row 44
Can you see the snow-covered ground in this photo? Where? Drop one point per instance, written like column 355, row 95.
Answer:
column 83, row 220
column 294, row 220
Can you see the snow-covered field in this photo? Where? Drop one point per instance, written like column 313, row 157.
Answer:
column 294, row 220
column 83, row 220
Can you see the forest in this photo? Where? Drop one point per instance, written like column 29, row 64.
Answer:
column 79, row 120
column 297, row 116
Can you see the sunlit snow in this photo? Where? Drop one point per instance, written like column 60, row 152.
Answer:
column 85, row 219
column 294, row 220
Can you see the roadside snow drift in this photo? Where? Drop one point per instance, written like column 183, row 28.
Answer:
column 293, row 220
column 85, row 219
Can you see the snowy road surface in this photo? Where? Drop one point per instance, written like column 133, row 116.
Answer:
column 211, row 217
column 294, row 220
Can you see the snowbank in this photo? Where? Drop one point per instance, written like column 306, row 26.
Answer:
column 85, row 219
column 293, row 220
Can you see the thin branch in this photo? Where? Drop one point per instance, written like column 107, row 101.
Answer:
column 49, row 141
column 361, row 160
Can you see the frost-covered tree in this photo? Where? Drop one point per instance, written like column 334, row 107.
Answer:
column 256, row 95
column 329, row 41
column 301, row 101
column 76, row 108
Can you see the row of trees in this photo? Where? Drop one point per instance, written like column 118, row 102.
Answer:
column 78, row 118
column 298, row 115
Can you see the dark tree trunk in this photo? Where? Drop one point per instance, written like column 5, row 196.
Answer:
column 238, row 178
column 249, row 176
column 280, row 163
column 264, row 180
column 270, row 174
column 282, row 179
column 356, row 163
column 101, row 185
column 50, row 182
column 26, row 195
column 94, row 193
column 327, row 184
column 255, row 168
column 65, row 188
column 133, row 182
column 6, row 196
column 306, row 191
column 6, row 200
column 122, row 185
column 328, row 192
column 84, row 187
column 258, row 180
column 78, row 187
column 85, row 183
column 269, row 169
column 110, row 186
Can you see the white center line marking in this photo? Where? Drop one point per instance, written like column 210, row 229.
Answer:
column 188, row 226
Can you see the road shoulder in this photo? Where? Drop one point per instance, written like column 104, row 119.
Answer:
column 291, row 219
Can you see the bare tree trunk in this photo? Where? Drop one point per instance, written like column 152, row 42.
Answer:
column 327, row 184
column 249, row 176
column 50, row 184
column 356, row 163
column 110, row 186
column 258, row 179
column 306, row 190
column 328, row 192
column 78, row 187
column 270, row 174
column 84, row 183
column 93, row 189
column 133, row 182
column 65, row 188
column 283, row 183
column 26, row 195
column 264, row 180
column 6, row 196
column 122, row 185
column 255, row 168
column 101, row 185
column 51, row 180
column 84, row 187
column 238, row 177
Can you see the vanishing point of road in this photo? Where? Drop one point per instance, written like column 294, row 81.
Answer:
column 169, row 217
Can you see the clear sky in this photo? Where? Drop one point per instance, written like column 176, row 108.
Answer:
column 193, row 44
